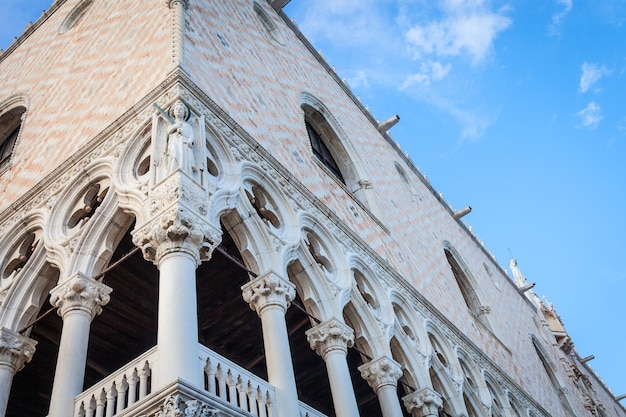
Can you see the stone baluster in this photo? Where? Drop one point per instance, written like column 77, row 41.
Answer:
column 382, row 375
column 221, row 382
column 121, row 395
column 331, row 341
column 15, row 351
column 143, row 380
column 270, row 295
column 102, row 399
column 111, row 397
column 79, row 300
column 132, row 387
column 423, row 403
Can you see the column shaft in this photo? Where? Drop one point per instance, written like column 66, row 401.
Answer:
column 341, row 384
column 278, row 359
column 269, row 295
column 177, row 335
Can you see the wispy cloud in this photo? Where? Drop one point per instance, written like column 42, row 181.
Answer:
column 468, row 27
column 590, row 116
column 558, row 17
column 591, row 74
column 429, row 72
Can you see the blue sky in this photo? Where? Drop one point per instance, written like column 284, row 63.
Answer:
column 515, row 108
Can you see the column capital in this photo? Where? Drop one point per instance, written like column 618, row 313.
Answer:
column 15, row 349
column 267, row 290
column 381, row 372
column 329, row 336
column 178, row 205
column 427, row 402
column 80, row 293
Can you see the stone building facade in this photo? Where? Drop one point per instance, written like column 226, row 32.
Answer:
column 198, row 218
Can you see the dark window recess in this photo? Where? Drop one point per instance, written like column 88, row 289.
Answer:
column 6, row 147
column 320, row 150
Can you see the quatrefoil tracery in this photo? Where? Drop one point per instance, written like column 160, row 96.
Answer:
column 319, row 253
column 20, row 255
column 263, row 206
column 90, row 203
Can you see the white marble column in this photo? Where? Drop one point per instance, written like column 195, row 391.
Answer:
column 423, row 403
column 15, row 351
column 331, row 340
column 270, row 295
column 79, row 300
column 382, row 375
column 177, row 336
column 176, row 240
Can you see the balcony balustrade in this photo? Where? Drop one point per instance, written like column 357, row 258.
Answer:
column 228, row 388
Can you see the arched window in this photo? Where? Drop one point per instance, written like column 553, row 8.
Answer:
column 10, row 125
column 466, row 285
column 321, row 151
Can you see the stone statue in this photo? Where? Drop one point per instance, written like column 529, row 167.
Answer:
column 180, row 141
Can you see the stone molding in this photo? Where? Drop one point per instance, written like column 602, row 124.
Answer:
column 330, row 336
column 381, row 372
column 427, row 402
column 175, row 406
column 15, row 350
column 80, row 293
column 268, row 290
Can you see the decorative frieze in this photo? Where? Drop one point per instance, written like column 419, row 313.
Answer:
column 268, row 290
column 426, row 403
column 330, row 336
column 381, row 372
column 175, row 406
column 80, row 293
column 15, row 349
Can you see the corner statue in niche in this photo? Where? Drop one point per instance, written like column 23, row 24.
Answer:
column 179, row 142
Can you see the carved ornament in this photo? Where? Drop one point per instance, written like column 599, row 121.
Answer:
column 15, row 349
column 381, row 372
column 80, row 293
column 330, row 336
column 175, row 406
column 268, row 290
column 426, row 401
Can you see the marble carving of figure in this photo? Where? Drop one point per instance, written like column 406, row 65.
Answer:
column 180, row 141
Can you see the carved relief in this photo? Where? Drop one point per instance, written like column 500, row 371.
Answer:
column 330, row 336
column 175, row 406
column 381, row 372
column 15, row 349
column 267, row 290
column 427, row 402
column 80, row 293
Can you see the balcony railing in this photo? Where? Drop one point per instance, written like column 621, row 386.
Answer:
column 227, row 385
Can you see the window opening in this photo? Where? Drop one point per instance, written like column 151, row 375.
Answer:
column 10, row 125
column 321, row 151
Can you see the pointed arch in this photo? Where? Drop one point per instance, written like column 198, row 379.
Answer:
column 334, row 151
column 13, row 111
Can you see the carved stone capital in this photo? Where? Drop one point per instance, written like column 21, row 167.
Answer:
column 268, row 290
column 15, row 349
column 175, row 406
column 80, row 293
column 178, row 205
column 329, row 336
column 426, row 402
column 381, row 372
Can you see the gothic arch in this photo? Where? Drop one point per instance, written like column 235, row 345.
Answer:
column 474, row 389
column 467, row 284
column 444, row 372
column 550, row 369
column 13, row 111
column 344, row 154
column 408, row 324
column 26, row 294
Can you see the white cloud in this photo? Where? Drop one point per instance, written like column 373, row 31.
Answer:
column 590, row 116
column 591, row 74
column 468, row 27
column 429, row 72
column 558, row 17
